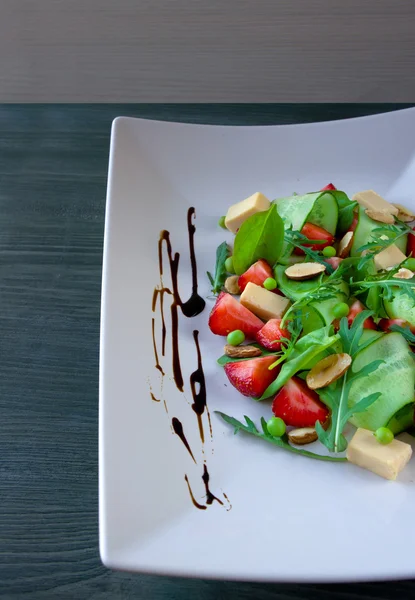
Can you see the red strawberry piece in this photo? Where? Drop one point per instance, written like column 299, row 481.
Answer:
column 385, row 324
column 257, row 273
column 354, row 222
column 271, row 333
column 329, row 186
column 252, row 377
column 228, row 314
column 356, row 308
column 314, row 232
column 410, row 248
column 334, row 261
column 299, row 406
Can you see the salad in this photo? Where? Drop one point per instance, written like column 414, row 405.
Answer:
column 316, row 300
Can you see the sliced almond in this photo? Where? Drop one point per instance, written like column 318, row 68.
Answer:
column 328, row 370
column 304, row 270
column 231, row 284
column 302, row 436
column 345, row 244
column 380, row 216
column 242, row 351
column 405, row 214
column 404, row 274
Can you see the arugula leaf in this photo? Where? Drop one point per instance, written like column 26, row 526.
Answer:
column 217, row 282
column 281, row 442
column 336, row 395
column 405, row 331
column 260, row 236
column 296, row 237
column 305, row 350
column 382, row 238
column 386, row 284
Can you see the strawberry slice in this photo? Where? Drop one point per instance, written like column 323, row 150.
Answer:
column 299, row 406
column 410, row 248
column 252, row 377
column 271, row 333
column 314, row 232
column 354, row 222
column 329, row 186
column 385, row 324
column 356, row 308
column 228, row 314
column 257, row 273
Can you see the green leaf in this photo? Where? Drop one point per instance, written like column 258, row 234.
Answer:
column 304, row 351
column 217, row 282
column 346, row 211
column 280, row 442
column 260, row 236
column 362, row 405
column 386, row 284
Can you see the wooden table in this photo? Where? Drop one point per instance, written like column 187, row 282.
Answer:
column 53, row 168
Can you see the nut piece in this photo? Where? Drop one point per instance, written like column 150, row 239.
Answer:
column 404, row 274
column 302, row 436
column 328, row 370
column 242, row 351
column 404, row 214
column 231, row 285
column 345, row 244
column 304, row 270
column 382, row 217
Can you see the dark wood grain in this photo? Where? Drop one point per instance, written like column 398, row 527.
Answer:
column 53, row 167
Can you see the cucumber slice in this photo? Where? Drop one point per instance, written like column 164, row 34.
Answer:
column 400, row 307
column 363, row 233
column 325, row 308
column 402, row 419
column 312, row 320
column 394, row 379
column 319, row 208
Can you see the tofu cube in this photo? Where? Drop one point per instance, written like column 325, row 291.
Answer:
column 372, row 201
column 264, row 304
column 238, row 213
column 385, row 460
column 388, row 258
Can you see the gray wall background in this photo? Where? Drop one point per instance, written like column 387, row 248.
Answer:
column 207, row 50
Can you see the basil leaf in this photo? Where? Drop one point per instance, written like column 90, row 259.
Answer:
column 260, row 236
column 217, row 282
column 346, row 211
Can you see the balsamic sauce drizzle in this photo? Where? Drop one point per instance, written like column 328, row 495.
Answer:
column 178, row 430
column 190, row 308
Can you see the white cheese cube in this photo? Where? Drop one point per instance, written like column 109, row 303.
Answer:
column 390, row 257
column 263, row 303
column 385, row 460
column 239, row 212
column 372, row 201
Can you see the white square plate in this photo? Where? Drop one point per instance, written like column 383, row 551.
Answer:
column 282, row 517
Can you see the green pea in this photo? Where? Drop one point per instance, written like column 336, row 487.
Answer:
column 329, row 251
column 276, row 427
column 384, row 435
column 221, row 222
column 234, row 338
column 409, row 264
column 270, row 283
column 340, row 310
column 229, row 265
